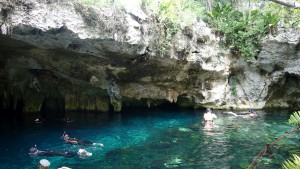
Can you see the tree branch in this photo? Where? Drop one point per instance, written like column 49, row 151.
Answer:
column 288, row 3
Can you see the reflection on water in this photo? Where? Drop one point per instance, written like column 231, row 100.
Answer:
column 152, row 139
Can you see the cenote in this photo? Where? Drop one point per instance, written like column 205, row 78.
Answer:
column 137, row 75
column 151, row 139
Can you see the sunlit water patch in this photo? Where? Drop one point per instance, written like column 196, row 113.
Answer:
column 152, row 139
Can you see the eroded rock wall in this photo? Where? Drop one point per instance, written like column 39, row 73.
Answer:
column 98, row 58
column 272, row 79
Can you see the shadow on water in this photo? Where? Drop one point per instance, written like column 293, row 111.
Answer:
column 12, row 116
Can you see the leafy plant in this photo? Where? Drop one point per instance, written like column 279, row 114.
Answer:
column 219, row 11
column 294, row 118
column 292, row 163
column 242, row 31
column 174, row 15
column 288, row 17
column 271, row 19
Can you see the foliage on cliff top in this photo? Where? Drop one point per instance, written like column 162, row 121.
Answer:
column 289, row 17
column 243, row 28
column 174, row 15
column 98, row 3
column 242, row 31
column 243, row 25
column 179, row 12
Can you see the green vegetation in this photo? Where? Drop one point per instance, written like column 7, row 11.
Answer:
column 174, row 15
column 293, row 162
column 294, row 118
column 98, row 3
column 242, row 31
column 289, row 17
column 240, row 25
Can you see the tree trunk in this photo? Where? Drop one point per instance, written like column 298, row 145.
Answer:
column 209, row 5
column 237, row 4
column 287, row 3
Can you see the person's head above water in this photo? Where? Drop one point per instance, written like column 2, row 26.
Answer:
column 84, row 152
column 251, row 111
column 32, row 150
column 208, row 110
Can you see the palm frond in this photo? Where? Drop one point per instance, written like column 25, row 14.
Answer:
column 294, row 118
column 292, row 163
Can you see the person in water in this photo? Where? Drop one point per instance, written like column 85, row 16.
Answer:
column 83, row 153
column 66, row 119
column 209, row 118
column 64, row 153
column 69, row 140
column 251, row 114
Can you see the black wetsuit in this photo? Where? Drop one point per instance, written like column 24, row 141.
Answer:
column 63, row 153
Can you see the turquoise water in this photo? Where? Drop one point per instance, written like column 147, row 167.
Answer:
column 151, row 139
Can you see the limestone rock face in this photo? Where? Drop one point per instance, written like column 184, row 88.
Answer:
column 98, row 58
column 272, row 80
column 282, row 70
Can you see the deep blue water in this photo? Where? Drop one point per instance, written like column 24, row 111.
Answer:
column 151, row 139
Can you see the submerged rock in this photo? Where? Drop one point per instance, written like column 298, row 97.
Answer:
column 184, row 129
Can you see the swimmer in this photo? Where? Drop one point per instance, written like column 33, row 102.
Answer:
column 35, row 151
column 38, row 120
column 66, row 119
column 209, row 118
column 69, row 140
column 251, row 113
column 83, row 152
column 64, row 153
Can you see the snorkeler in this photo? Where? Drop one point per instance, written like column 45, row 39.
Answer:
column 84, row 153
column 64, row 153
column 69, row 140
column 251, row 113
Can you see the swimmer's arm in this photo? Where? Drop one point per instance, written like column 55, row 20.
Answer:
column 100, row 144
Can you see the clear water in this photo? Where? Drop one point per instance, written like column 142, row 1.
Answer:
column 152, row 139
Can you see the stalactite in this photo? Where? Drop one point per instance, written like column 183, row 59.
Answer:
column 75, row 102
column 70, row 102
column 115, row 96
column 33, row 103
column 102, row 105
column 172, row 95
